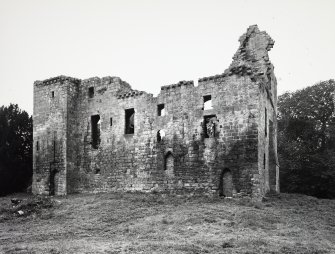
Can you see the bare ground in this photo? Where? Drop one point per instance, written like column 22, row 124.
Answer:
column 155, row 223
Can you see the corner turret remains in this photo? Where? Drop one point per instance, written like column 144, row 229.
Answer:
column 100, row 135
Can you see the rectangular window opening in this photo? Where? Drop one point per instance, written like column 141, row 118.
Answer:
column 161, row 110
column 209, row 126
column 52, row 94
column 207, row 102
column 111, row 121
column 264, row 161
column 37, row 146
column 130, row 123
column 91, row 92
column 95, row 127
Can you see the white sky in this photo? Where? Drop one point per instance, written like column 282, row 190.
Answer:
column 151, row 43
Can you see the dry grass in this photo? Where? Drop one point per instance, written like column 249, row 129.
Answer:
column 153, row 223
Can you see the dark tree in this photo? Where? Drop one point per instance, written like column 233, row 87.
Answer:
column 16, row 137
column 306, row 140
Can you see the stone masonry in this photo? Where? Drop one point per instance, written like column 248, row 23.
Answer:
column 219, row 137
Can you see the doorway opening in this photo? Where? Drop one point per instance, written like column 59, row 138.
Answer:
column 226, row 183
column 169, row 164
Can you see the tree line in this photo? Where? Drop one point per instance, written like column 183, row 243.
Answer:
column 306, row 143
column 16, row 141
column 306, row 140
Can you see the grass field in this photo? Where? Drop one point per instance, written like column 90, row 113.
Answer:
column 155, row 223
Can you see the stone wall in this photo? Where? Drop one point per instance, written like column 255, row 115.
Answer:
column 51, row 106
column 184, row 140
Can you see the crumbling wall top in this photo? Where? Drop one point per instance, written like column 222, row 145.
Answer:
column 251, row 58
column 254, row 45
column 130, row 94
column 105, row 80
column 57, row 79
column 179, row 84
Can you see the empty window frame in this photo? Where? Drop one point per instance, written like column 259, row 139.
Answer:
column 160, row 135
column 52, row 94
column 160, row 110
column 209, row 126
column 95, row 128
column 130, row 123
column 91, row 92
column 159, row 138
column 207, row 102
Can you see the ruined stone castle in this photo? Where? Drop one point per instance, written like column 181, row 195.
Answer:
column 219, row 137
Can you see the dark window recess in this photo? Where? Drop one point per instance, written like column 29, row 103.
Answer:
column 52, row 94
column 161, row 110
column 207, row 102
column 159, row 138
column 111, row 121
column 97, row 171
column 95, row 125
column 130, row 126
column 37, row 146
column 91, row 92
column 264, row 161
column 209, row 126
column 266, row 122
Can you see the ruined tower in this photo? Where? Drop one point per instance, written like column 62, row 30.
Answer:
column 99, row 134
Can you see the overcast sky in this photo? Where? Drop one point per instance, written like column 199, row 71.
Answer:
column 151, row 43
